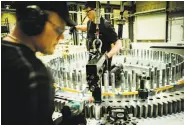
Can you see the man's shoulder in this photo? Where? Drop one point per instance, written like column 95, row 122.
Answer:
column 19, row 63
column 18, row 57
column 106, row 23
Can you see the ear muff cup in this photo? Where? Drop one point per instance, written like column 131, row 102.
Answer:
column 32, row 20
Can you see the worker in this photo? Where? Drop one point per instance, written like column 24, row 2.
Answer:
column 108, row 35
column 27, row 86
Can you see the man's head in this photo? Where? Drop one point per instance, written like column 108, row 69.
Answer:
column 89, row 8
column 43, row 22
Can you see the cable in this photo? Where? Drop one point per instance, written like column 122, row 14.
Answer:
column 83, row 20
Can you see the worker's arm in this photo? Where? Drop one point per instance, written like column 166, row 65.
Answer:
column 115, row 48
column 81, row 27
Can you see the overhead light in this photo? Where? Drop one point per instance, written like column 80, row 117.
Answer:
column 7, row 6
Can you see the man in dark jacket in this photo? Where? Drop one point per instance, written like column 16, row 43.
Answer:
column 108, row 35
column 27, row 86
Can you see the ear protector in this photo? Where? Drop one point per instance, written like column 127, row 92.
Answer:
column 32, row 20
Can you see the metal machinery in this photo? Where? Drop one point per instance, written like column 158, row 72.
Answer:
column 149, row 86
column 144, row 84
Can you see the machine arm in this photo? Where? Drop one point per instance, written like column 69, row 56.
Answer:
column 94, row 72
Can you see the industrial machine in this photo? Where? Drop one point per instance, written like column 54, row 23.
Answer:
column 149, row 86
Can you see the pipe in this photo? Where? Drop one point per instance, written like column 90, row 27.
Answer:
column 120, row 26
column 131, row 24
column 151, row 11
column 107, row 10
column 167, row 22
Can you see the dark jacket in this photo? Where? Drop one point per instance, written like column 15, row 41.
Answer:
column 27, row 87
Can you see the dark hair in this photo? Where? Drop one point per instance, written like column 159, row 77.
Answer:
column 91, row 4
